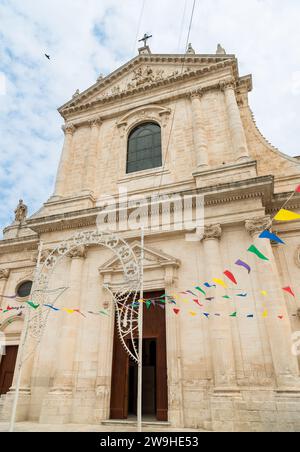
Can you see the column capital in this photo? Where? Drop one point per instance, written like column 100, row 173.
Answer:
column 258, row 224
column 212, row 231
column 78, row 253
column 4, row 273
column 196, row 94
column 68, row 129
column 227, row 84
column 96, row 122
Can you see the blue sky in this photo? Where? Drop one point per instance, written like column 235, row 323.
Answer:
column 89, row 37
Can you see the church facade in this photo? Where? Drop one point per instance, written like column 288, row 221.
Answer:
column 173, row 125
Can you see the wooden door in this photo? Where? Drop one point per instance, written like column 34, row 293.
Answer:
column 154, row 328
column 7, row 368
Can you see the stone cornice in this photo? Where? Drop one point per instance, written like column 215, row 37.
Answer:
column 163, row 98
column 261, row 187
column 18, row 244
column 75, row 108
column 147, row 59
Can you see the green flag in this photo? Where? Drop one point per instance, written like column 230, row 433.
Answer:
column 255, row 251
column 201, row 290
column 32, row 305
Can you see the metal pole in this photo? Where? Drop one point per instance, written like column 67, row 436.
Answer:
column 140, row 364
column 22, row 342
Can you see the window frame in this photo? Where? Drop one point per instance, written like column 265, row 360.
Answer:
column 155, row 167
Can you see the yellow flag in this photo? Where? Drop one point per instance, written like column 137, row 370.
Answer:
column 193, row 314
column 265, row 314
column 220, row 282
column 264, row 293
column 69, row 311
column 286, row 215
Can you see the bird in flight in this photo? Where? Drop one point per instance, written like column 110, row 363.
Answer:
column 47, row 56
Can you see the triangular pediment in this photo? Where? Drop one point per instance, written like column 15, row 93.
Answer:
column 152, row 259
column 145, row 71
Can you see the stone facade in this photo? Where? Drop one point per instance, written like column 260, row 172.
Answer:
column 223, row 374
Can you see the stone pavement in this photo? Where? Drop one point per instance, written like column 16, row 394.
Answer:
column 118, row 427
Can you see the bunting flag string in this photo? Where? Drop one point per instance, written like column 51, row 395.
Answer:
column 273, row 237
column 256, row 251
column 286, row 215
column 220, row 282
column 244, row 264
column 289, row 290
column 230, row 276
column 282, row 215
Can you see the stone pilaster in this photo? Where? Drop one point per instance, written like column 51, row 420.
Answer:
column 105, row 357
column 57, row 406
column 199, row 130
column 90, row 174
column 237, row 131
column 64, row 161
column 4, row 275
column 279, row 331
column 174, row 360
column 220, row 327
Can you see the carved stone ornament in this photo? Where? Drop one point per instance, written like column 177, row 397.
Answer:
column 213, row 231
column 96, row 122
column 258, row 225
column 154, row 113
column 78, row 253
column 68, row 129
column 4, row 273
column 21, row 212
column 197, row 94
column 227, row 84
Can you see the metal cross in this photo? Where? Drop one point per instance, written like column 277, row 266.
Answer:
column 145, row 39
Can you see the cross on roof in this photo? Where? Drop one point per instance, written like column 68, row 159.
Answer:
column 145, row 39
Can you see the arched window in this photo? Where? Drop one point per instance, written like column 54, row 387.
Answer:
column 144, row 148
column 24, row 289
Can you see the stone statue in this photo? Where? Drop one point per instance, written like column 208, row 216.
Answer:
column 21, row 212
column 220, row 50
column 76, row 94
column 190, row 50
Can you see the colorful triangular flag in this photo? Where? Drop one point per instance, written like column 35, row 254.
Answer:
column 290, row 291
column 255, row 251
column 286, row 215
column 230, row 276
column 273, row 237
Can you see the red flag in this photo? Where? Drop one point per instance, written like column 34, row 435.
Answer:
column 199, row 304
column 230, row 276
column 176, row 311
column 298, row 189
column 289, row 290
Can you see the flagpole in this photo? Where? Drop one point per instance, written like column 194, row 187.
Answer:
column 140, row 323
column 22, row 342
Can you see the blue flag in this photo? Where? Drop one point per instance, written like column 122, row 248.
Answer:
column 268, row 235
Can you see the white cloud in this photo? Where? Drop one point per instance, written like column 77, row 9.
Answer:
column 87, row 37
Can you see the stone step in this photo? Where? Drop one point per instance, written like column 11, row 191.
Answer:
column 2, row 401
column 132, row 423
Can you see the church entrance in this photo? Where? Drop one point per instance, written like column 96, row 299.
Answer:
column 125, row 371
column 7, row 368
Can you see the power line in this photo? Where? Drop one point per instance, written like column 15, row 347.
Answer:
column 173, row 117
